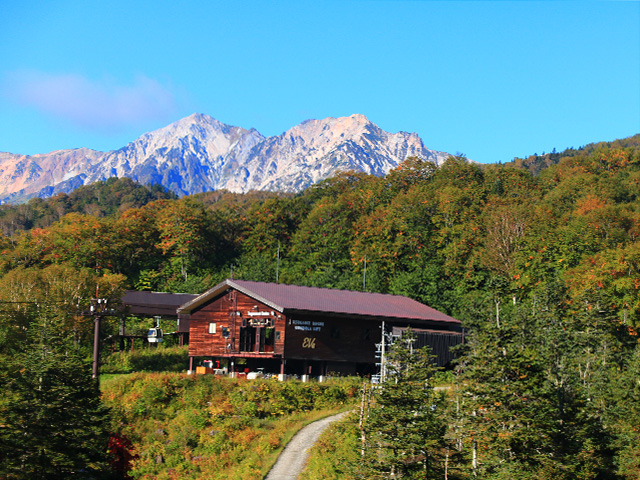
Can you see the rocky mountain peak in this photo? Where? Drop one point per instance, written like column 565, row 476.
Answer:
column 344, row 127
column 199, row 153
column 215, row 136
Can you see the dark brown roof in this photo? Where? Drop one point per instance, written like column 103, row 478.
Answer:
column 294, row 298
column 155, row 303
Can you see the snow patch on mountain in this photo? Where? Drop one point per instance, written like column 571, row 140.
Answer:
column 199, row 153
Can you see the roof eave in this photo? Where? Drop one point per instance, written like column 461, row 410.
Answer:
column 221, row 288
column 298, row 311
column 202, row 298
column 258, row 298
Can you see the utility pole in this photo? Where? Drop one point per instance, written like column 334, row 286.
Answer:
column 97, row 310
column 364, row 275
column 383, row 367
column 278, row 265
column 98, row 305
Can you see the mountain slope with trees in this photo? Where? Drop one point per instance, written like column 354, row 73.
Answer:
column 543, row 270
column 100, row 199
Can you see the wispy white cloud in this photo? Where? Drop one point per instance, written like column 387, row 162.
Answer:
column 102, row 105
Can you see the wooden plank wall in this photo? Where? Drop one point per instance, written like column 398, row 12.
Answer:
column 221, row 312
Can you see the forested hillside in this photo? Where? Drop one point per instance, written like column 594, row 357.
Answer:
column 440, row 235
column 99, row 199
column 536, row 163
column 543, row 270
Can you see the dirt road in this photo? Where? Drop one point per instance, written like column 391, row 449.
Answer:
column 293, row 458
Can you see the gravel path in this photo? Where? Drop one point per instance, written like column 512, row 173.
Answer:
column 294, row 457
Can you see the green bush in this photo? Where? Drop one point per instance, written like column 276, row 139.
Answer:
column 161, row 359
column 201, row 426
column 336, row 454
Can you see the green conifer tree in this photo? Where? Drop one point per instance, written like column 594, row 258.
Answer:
column 533, row 409
column 624, row 417
column 54, row 425
column 405, row 429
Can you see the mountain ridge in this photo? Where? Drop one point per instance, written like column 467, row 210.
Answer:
column 199, row 153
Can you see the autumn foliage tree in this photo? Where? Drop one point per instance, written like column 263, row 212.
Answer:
column 539, row 258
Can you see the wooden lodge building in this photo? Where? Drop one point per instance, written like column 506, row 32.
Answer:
column 291, row 329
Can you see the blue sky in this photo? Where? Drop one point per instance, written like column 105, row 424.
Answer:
column 492, row 80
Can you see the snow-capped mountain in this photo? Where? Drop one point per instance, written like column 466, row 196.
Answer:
column 188, row 156
column 199, row 153
column 317, row 149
